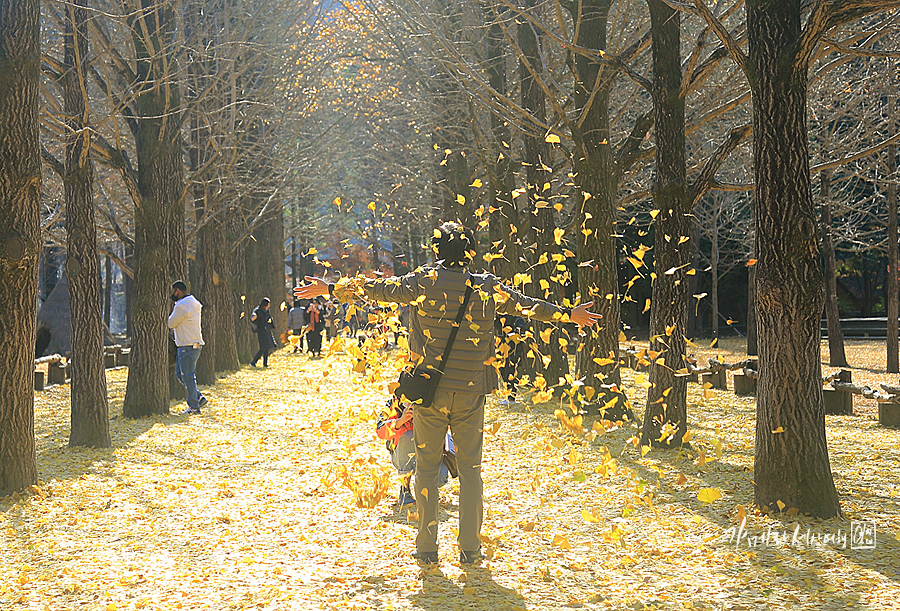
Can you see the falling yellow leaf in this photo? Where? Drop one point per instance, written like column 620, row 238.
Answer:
column 778, row 430
column 708, row 495
column 552, row 139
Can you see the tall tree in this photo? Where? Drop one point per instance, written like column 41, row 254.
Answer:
column 548, row 359
column 20, row 198
column 160, row 186
column 665, row 420
column 893, row 307
column 90, row 411
column 598, row 170
column 836, row 355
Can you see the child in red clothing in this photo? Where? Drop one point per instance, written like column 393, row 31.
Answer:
column 395, row 426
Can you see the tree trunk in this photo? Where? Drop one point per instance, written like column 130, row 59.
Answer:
column 128, row 287
column 752, row 336
column 892, row 297
column 160, row 178
column 598, row 175
column 791, row 461
column 665, row 419
column 107, row 292
column 90, row 410
column 549, row 360
column 836, row 356
column 20, row 237
column 503, row 213
column 207, row 257
column 714, row 281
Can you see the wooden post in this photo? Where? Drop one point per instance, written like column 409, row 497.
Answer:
column 717, row 379
column 837, row 402
column 744, row 386
column 889, row 414
column 39, row 380
column 56, row 373
column 109, row 360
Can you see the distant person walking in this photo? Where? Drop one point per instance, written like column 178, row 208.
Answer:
column 262, row 324
column 437, row 294
column 185, row 324
column 316, row 326
column 295, row 324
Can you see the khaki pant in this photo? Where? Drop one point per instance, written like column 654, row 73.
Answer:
column 464, row 413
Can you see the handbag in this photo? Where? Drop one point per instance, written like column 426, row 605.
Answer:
column 419, row 384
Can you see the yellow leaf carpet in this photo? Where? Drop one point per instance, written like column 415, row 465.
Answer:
column 281, row 497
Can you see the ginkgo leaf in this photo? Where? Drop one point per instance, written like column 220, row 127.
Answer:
column 708, row 495
column 778, row 430
column 552, row 139
column 476, row 183
column 460, row 199
column 591, row 518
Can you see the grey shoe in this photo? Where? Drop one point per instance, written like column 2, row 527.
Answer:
column 426, row 557
column 470, row 557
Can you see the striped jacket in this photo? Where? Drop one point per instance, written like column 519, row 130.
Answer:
column 434, row 295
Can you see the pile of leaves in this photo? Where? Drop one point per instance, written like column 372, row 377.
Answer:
column 281, row 497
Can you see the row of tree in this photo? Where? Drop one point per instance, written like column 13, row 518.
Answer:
column 167, row 131
column 581, row 138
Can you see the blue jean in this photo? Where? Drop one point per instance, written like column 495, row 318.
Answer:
column 186, row 372
column 404, row 456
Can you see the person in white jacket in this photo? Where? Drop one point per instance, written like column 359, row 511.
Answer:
column 185, row 323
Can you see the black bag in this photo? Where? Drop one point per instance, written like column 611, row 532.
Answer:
column 419, row 384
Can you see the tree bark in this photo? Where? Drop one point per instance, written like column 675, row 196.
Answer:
column 791, row 460
column 836, row 356
column 714, row 278
column 20, row 237
column 752, row 337
column 160, row 178
column 128, row 287
column 107, row 292
column 665, row 419
column 892, row 297
column 503, row 213
column 208, row 254
column 549, row 360
column 598, row 177
column 90, row 410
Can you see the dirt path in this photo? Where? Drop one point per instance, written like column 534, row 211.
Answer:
column 248, row 507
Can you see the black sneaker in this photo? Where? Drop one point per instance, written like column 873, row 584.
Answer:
column 470, row 557
column 426, row 557
column 190, row 411
column 203, row 401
